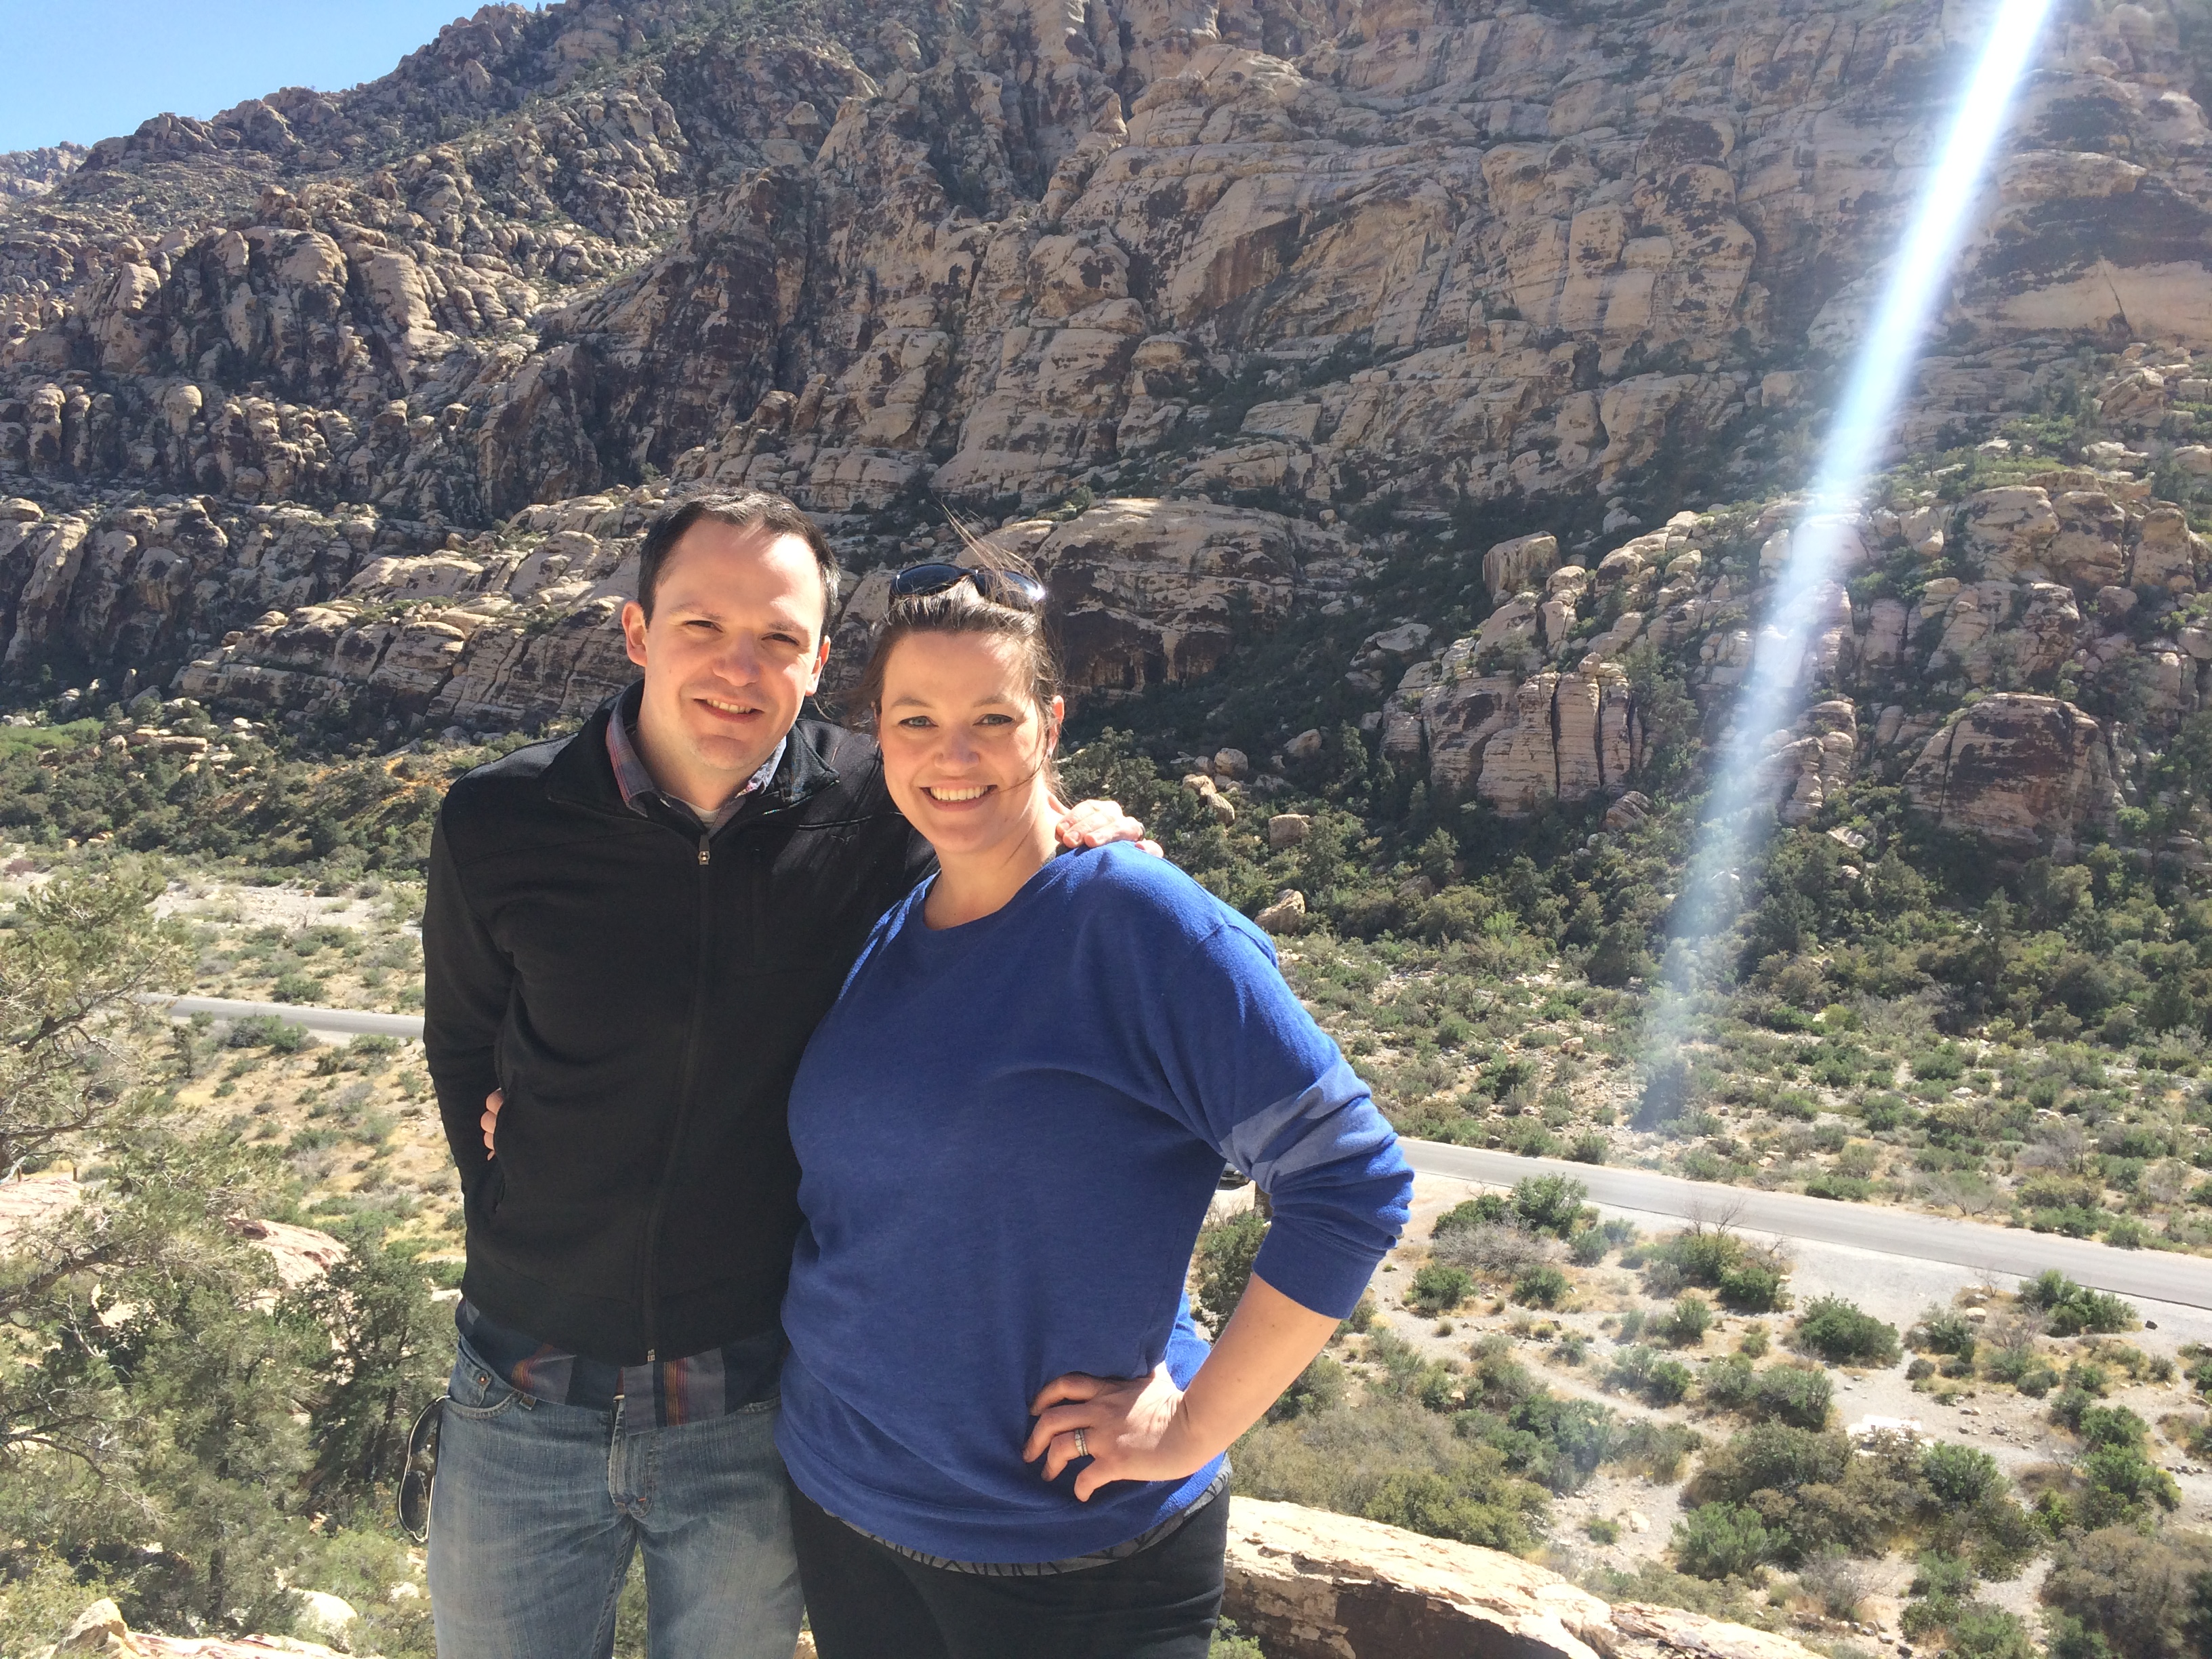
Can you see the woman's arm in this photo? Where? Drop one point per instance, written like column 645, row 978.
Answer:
column 1146, row 1429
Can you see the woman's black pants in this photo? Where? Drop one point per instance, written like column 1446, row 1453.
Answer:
column 865, row 1600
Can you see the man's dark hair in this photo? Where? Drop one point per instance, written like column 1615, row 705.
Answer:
column 751, row 509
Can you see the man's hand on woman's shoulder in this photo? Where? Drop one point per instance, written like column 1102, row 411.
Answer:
column 1095, row 823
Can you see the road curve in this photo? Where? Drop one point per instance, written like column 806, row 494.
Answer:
column 2155, row 1275
column 331, row 1022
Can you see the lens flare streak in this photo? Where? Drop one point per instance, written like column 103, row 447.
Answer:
column 1855, row 442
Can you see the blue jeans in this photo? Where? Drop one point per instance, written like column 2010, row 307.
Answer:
column 537, row 1507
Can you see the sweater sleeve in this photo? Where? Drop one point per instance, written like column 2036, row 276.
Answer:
column 1254, row 1076
column 467, row 982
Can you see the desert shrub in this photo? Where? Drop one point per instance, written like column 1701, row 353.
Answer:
column 1589, row 1247
column 1588, row 1147
column 2141, row 1595
column 1225, row 1254
column 1722, row 1540
column 1541, row 1286
column 2075, row 1309
column 1686, row 1325
column 1841, row 1333
column 1559, row 1442
column 1229, row 1643
column 2122, row 1486
column 1319, row 1387
column 1487, row 1209
column 1729, row 1383
column 1753, row 1287
column 1493, row 1249
column 1961, row 1476
column 1795, row 1394
column 267, row 1031
column 1549, row 1204
column 1438, row 1288
column 1641, row 1371
column 1390, row 1460
column 1836, row 1581
column 1655, row 1449
column 1771, row 1457
column 1943, row 1330
column 1748, row 1278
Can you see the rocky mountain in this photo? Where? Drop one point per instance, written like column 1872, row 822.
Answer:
column 1233, row 317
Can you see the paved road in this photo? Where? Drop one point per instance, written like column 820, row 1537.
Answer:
column 2155, row 1275
column 328, row 1022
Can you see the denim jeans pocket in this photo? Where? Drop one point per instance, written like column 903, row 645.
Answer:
column 476, row 1390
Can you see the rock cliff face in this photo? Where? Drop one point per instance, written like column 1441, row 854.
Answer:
column 351, row 406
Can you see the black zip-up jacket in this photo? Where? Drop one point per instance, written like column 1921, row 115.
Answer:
column 643, row 991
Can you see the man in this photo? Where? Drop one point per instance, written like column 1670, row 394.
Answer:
column 632, row 934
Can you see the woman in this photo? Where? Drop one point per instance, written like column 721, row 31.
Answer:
column 1005, row 1436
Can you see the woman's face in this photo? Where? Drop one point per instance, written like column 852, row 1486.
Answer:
column 964, row 744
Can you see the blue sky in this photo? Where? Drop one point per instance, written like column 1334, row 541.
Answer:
column 86, row 69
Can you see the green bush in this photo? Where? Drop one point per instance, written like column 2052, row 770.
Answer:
column 267, row 1031
column 1841, row 1333
column 1549, row 1204
column 1389, row 1460
column 1640, row 1371
column 1437, row 1289
column 1541, row 1286
column 1961, row 1476
column 1225, row 1254
column 2075, row 1309
column 1943, row 1330
column 1771, row 1456
column 1686, row 1325
column 2125, row 1594
column 1753, row 1287
column 1795, row 1394
column 1489, row 1210
column 1722, row 1540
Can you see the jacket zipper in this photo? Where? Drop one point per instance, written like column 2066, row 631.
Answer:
column 683, row 1101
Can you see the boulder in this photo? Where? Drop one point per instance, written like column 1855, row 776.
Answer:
column 1803, row 768
column 1288, row 915
column 1307, row 1584
column 1631, row 810
column 1287, row 830
column 1511, row 565
column 2026, row 773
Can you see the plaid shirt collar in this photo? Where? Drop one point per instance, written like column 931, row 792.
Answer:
column 636, row 783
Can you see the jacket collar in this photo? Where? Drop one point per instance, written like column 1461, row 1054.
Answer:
column 581, row 774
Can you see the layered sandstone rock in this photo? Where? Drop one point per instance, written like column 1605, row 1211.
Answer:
column 2026, row 773
column 1311, row 1585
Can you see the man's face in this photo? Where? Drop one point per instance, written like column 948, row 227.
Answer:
column 733, row 647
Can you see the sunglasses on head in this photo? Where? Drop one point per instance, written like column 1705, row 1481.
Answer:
column 999, row 586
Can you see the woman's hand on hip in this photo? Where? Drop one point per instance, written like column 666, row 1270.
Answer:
column 1132, row 1428
column 489, row 1120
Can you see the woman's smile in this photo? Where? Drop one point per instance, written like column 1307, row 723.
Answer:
column 958, row 795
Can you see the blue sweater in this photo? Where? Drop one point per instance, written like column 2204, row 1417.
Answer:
column 1008, row 1132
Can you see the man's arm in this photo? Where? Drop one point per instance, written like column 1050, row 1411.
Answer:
column 467, row 982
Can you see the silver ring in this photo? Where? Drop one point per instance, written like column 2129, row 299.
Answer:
column 1082, row 1445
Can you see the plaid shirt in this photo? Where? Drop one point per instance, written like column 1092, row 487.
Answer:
column 637, row 785
column 698, row 1386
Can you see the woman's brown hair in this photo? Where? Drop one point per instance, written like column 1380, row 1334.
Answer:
column 963, row 608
